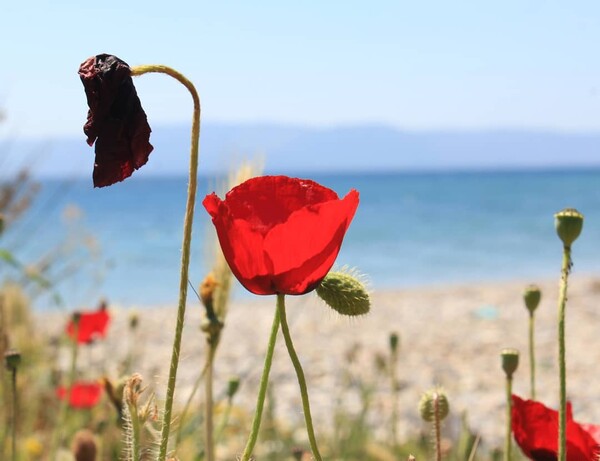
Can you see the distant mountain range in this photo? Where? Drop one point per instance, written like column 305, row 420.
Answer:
column 289, row 149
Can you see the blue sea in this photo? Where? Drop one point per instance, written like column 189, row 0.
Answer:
column 410, row 229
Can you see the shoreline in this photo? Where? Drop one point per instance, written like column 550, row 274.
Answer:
column 449, row 335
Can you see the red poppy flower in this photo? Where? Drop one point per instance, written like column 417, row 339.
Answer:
column 535, row 428
column 281, row 234
column 116, row 121
column 90, row 325
column 83, row 394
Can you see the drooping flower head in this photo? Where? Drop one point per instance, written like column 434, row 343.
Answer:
column 83, row 394
column 281, row 234
column 535, row 428
column 116, row 121
column 89, row 325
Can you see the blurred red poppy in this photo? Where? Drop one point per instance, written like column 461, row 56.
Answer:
column 90, row 325
column 535, row 428
column 116, row 121
column 281, row 234
column 83, row 394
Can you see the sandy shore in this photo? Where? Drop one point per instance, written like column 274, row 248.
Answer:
column 449, row 336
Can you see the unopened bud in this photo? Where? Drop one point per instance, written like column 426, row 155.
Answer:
column 1, row 223
column 12, row 360
column 394, row 341
column 510, row 361
column 532, row 297
column 344, row 293
column 84, row 446
column 434, row 405
column 232, row 387
column 569, row 223
column 134, row 320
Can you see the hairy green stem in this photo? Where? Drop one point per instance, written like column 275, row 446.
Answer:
column 532, row 353
column 300, row 375
column 135, row 429
column 262, row 391
column 508, row 441
column 185, row 250
column 562, row 301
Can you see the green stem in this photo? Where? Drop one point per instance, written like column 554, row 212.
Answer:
column 562, row 301
column 508, row 441
column 532, row 353
column 15, row 414
column 264, row 381
column 394, row 384
column 208, row 423
column 437, row 428
column 300, row 375
column 185, row 250
column 64, row 404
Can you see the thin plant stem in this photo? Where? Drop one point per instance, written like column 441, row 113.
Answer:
column 394, row 384
column 436, row 428
column 15, row 413
column 188, row 404
column 532, row 353
column 185, row 250
column 508, row 441
column 262, row 391
column 208, row 405
column 300, row 375
column 64, row 404
column 562, row 301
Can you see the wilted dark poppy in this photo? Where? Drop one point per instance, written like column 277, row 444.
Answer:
column 281, row 234
column 116, row 121
column 83, row 394
column 535, row 428
column 90, row 325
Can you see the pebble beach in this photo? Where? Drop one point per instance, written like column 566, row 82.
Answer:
column 450, row 336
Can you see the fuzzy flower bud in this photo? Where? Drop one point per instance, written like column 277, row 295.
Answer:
column 344, row 293
column 432, row 402
column 84, row 446
column 510, row 361
column 532, row 296
column 568, row 223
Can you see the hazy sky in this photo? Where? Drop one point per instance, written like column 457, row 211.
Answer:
column 410, row 64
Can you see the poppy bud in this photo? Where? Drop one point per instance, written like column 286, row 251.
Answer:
column 134, row 320
column 432, row 402
column 232, row 387
column 84, row 446
column 532, row 297
column 394, row 340
column 344, row 293
column 568, row 223
column 510, row 361
column 12, row 360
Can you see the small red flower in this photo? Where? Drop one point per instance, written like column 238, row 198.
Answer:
column 116, row 121
column 90, row 325
column 281, row 234
column 83, row 394
column 535, row 428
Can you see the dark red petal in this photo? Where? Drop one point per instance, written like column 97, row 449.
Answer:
column 304, row 248
column 266, row 201
column 116, row 120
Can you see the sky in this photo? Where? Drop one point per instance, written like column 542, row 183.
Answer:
column 415, row 65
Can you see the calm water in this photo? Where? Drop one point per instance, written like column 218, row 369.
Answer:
column 410, row 229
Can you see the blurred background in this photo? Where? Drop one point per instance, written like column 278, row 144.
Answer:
column 464, row 126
